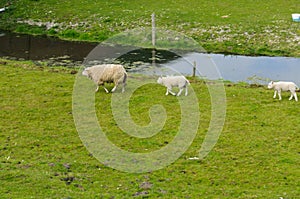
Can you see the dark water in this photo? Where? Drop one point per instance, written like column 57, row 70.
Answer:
column 152, row 62
column 22, row 46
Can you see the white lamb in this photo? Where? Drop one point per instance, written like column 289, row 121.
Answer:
column 174, row 81
column 107, row 73
column 284, row 86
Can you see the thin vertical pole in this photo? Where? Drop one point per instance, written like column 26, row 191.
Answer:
column 153, row 29
column 153, row 38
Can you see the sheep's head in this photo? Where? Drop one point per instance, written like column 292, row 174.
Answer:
column 270, row 85
column 85, row 72
column 159, row 80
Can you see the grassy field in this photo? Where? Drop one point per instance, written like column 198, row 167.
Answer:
column 244, row 27
column 42, row 156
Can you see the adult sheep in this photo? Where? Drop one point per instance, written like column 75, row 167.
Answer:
column 174, row 81
column 284, row 86
column 107, row 73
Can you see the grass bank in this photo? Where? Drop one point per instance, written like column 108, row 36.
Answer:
column 243, row 27
column 42, row 156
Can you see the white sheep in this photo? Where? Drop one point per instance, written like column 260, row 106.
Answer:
column 284, row 86
column 107, row 73
column 174, row 81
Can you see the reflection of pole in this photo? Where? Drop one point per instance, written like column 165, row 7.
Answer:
column 153, row 29
column 29, row 47
column 153, row 57
column 194, row 69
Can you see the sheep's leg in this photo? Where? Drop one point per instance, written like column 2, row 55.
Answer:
column 293, row 94
column 123, row 87
column 115, row 87
column 279, row 94
column 275, row 92
column 124, row 82
column 106, row 90
column 100, row 83
column 170, row 90
column 97, row 89
column 179, row 93
column 186, row 91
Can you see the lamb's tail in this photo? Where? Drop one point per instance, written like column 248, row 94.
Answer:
column 297, row 88
column 187, row 81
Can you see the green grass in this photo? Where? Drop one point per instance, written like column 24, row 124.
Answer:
column 244, row 27
column 42, row 156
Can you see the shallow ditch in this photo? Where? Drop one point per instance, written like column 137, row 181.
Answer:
column 56, row 52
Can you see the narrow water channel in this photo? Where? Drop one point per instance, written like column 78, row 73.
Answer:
column 146, row 61
column 28, row 47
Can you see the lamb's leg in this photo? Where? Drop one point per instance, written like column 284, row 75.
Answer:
column 179, row 93
column 186, row 91
column 97, row 89
column 170, row 90
column 293, row 94
column 275, row 92
column 167, row 93
column 279, row 94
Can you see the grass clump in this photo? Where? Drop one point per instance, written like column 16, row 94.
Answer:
column 42, row 156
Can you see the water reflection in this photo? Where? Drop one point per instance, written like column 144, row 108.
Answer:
column 22, row 46
column 242, row 68
column 232, row 68
column 148, row 61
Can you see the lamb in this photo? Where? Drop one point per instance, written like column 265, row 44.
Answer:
column 174, row 81
column 107, row 73
column 284, row 86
